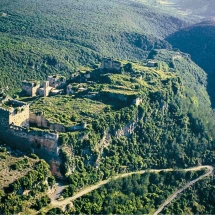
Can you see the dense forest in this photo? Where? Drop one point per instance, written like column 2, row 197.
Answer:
column 198, row 199
column 198, row 41
column 136, row 194
column 36, row 40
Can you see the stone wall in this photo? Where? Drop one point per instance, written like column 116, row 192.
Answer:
column 30, row 88
column 44, row 144
column 35, row 90
column 56, row 81
column 37, row 119
column 16, row 113
column 19, row 116
column 4, row 118
column 116, row 65
column 78, row 127
column 108, row 63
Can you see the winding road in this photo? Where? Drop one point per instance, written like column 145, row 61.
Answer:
column 174, row 195
column 63, row 203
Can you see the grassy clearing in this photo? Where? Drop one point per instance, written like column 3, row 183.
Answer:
column 68, row 110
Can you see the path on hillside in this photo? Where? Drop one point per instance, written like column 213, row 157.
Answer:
column 89, row 189
column 174, row 195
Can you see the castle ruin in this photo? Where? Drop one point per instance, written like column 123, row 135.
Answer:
column 110, row 64
column 14, row 130
column 33, row 88
column 30, row 88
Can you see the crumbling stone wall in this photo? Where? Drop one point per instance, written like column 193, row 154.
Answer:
column 56, row 81
column 108, row 63
column 44, row 144
column 30, row 88
column 39, row 120
column 19, row 116
column 4, row 118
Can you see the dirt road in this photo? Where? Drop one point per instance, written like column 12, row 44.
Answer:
column 174, row 195
column 89, row 189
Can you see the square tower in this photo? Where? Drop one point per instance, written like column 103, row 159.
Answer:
column 14, row 112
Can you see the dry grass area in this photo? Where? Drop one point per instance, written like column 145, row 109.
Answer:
column 7, row 175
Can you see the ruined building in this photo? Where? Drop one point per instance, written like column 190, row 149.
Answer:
column 14, row 130
column 14, row 112
column 110, row 64
column 30, row 88
column 34, row 88
column 45, row 90
column 56, row 81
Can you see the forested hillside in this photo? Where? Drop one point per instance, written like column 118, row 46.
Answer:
column 44, row 37
column 24, row 182
column 199, row 199
column 137, row 194
column 175, row 126
column 203, row 8
column 198, row 41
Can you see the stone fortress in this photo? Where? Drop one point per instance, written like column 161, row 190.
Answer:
column 14, row 130
column 16, row 118
column 54, row 85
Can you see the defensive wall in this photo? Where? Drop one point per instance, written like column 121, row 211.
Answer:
column 39, row 120
column 44, row 144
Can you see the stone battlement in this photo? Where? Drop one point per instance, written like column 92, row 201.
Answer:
column 42, row 143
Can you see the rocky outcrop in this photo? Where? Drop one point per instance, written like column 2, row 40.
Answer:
column 126, row 130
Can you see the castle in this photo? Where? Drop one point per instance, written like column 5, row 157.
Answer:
column 16, row 119
column 33, row 88
column 14, row 130
column 110, row 64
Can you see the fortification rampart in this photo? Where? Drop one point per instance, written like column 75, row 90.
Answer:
column 14, row 112
column 39, row 120
column 44, row 144
column 30, row 88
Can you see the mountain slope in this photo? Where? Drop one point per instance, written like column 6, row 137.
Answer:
column 203, row 8
column 198, row 41
column 76, row 33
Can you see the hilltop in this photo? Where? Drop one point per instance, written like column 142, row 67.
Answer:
column 99, row 89
column 116, row 119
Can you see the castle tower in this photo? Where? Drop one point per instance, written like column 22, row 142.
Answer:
column 107, row 63
column 46, row 88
